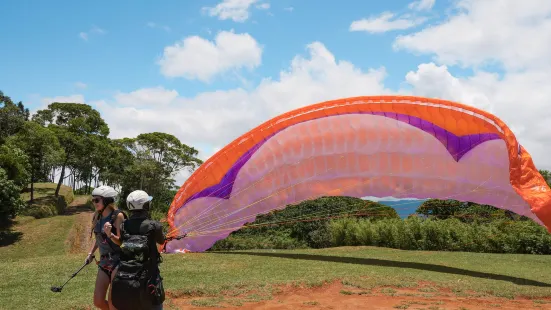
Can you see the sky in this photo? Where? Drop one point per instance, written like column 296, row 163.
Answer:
column 208, row 71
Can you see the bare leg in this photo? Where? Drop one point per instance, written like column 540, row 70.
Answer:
column 111, row 307
column 102, row 283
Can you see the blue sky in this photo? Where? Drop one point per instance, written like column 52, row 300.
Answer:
column 107, row 53
column 45, row 56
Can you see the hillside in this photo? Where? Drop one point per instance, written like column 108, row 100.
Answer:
column 42, row 190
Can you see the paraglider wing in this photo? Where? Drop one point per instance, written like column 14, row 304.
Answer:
column 405, row 147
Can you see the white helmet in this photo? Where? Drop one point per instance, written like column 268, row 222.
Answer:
column 137, row 199
column 105, row 191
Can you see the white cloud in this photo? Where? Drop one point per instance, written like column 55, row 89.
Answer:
column 263, row 6
column 84, row 35
column 157, row 26
column 77, row 98
column 44, row 102
column 290, row 8
column 388, row 21
column 154, row 97
column 516, row 34
column 198, row 58
column 80, row 85
column 521, row 100
column 431, row 80
column 211, row 120
column 421, row 5
column 385, row 22
column 390, row 198
column 236, row 10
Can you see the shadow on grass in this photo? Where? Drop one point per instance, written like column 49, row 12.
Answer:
column 72, row 210
column 8, row 237
column 396, row 264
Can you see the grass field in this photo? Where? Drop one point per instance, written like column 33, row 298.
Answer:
column 42, row 190
column 42, row 257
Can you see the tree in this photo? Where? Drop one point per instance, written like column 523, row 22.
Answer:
column 158, row 157
column 10, row 202
column 12, row 117
column 15, row 163
column 464, row 210
column 546, row 174
column 76, row 126
column 39, row 144
column 440, row 208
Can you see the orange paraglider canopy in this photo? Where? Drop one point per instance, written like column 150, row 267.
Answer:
column 389, row 130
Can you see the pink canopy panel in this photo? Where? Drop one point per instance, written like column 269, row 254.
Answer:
column 362, row 151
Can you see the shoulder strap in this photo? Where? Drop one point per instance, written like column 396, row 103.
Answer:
column 114, row 216
column 154, row 255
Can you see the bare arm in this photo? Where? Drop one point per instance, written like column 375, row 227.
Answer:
column 93, row 249
column 159, row 237
column 116, row 238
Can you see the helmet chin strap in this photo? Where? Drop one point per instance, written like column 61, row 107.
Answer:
column 103, row 204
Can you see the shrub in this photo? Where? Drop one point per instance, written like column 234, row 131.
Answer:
column 498, row 236
column 45, row 207
column 10, row 201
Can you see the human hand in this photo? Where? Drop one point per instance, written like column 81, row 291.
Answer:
column 107, row 228
column 89, row 258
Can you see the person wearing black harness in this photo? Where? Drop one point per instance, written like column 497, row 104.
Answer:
column 138, row 283
column 106, row 225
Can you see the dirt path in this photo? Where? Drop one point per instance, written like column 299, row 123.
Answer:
column 79, row 240
column 337, row 296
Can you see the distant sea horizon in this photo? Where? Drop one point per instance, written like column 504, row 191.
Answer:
column 404, row 207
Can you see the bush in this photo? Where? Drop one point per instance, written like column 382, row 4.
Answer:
column 279, row 239
column 486, row 229
column 10, row 201
column 499, row 236
column 46, row 207
column 38, row 211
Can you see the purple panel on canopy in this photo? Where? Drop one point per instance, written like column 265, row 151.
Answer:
column 457, row 146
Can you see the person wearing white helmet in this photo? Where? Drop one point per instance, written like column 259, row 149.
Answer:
column 106, row 225
column 140, row 258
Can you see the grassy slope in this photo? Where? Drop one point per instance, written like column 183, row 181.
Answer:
column 42, row 190
column 40, row 260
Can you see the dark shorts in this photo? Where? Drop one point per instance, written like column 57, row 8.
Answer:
column 108, row 263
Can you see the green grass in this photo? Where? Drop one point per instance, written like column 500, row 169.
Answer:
column 39, row 260
column 38, row 238
column 209, row 274
column 42, row 190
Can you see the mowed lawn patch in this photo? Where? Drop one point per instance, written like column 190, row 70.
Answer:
column 26, row 282
column 366, row 267
column 39, row 237
column 48, row 189
column 39, row 260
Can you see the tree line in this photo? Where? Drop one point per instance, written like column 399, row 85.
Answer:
column 69, row 142
column 436, row 225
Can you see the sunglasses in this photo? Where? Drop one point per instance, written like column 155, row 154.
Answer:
column 96, row 200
